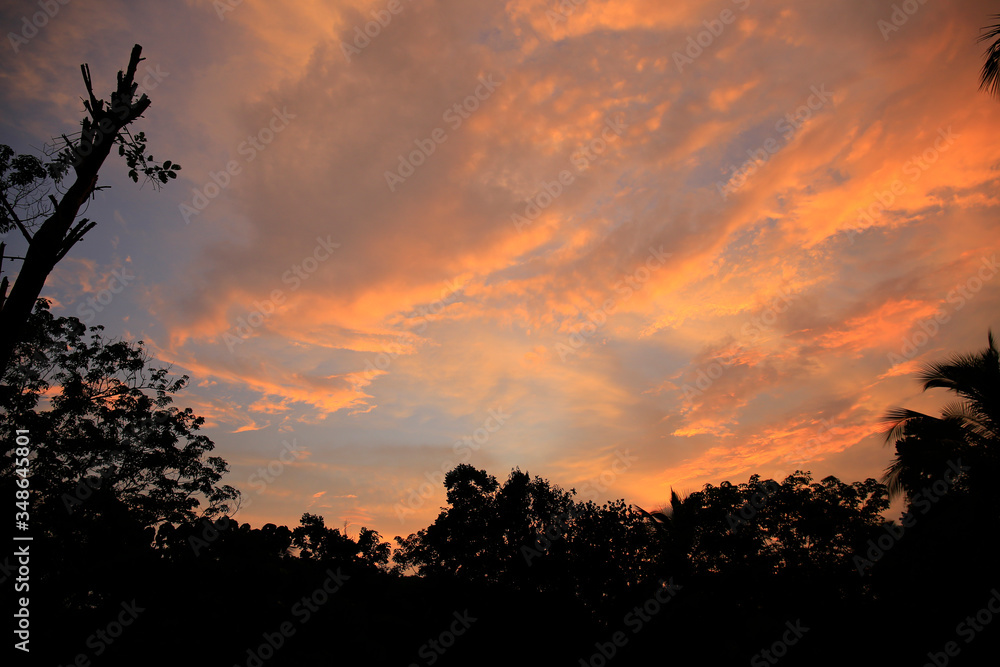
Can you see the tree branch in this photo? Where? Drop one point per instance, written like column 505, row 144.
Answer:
column 75, row 235
column 94, row 105
column 13, row 216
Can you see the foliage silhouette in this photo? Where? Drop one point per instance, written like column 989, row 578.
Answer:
column 531, row 563
column 24, row 187
column 109, row 427
column 315, row 541
column 968, row 429
column 763, row 528
column 989, row 76
column 528, row 535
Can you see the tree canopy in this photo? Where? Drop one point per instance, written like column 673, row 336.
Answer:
column 108, row 422
column 131, row 504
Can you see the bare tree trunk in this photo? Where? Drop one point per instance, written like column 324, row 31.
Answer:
column 58, row 234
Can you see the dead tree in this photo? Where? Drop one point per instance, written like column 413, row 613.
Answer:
column 106, row 125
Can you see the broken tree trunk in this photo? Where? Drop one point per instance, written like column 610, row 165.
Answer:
column 58, row 234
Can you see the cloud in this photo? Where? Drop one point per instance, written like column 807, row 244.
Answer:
column 485, row 182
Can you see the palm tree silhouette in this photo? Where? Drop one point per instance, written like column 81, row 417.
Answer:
column 989, row 78
column 968, row 428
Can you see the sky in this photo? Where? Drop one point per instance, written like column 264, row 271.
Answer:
column 630, row 247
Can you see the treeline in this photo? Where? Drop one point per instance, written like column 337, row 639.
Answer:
column 136, row 556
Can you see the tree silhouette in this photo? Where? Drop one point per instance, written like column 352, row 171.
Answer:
column 22, row 182
column 317, row 542
column 128, row 507
column 530, row 536
column 109, row 436
column 763, row 528
column 478, row 538
column 110, row 460
column 968, row 428
column 989, row 77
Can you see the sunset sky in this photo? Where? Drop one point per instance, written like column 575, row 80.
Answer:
column 626, row 246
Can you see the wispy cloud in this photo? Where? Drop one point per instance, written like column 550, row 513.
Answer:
column 798, row 157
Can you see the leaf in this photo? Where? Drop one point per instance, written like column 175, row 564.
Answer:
column 166, row 165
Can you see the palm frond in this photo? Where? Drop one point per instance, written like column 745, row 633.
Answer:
column 659, row 520
column 973, row 376
column 959, row 411
column 989, row 77
column 969, row 417
column 896, row 419
column 968, row 426
column 893, row 478
column 955, row 373
column 645, row 514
